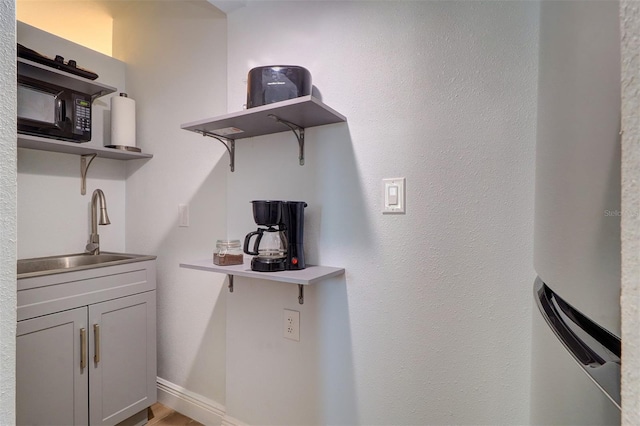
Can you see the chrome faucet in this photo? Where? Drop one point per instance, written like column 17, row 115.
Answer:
column 94, row 239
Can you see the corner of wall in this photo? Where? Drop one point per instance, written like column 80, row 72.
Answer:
column 176, row 71
column 630, row 220
column 8, row 212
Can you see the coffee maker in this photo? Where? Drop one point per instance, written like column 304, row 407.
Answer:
column 279, row 246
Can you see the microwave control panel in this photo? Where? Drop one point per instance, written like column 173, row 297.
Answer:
column 82, row 115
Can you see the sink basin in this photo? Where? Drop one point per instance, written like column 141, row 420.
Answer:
column 72, row 262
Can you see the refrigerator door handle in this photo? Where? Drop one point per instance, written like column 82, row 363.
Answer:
column 596, row 350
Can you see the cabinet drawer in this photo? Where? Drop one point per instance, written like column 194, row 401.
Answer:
column 54, row 293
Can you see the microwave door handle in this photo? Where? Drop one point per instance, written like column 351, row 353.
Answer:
column 61, row 112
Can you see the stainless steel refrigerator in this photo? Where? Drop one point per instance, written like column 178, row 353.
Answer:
column 576, row 324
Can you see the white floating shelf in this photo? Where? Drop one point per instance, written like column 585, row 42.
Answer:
column 54, row 145
column 305, row 112
column 294, row 114
column 38, row 71
column 310, row 275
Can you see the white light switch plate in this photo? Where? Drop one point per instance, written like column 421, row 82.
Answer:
column 393, row 195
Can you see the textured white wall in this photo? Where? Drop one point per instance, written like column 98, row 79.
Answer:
column 8, row 212
column 630, row 301
column 431, row 324
column 54, row 218
column 176, row 71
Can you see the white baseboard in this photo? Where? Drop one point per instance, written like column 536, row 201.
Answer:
column 230, row 421
column 191, row 404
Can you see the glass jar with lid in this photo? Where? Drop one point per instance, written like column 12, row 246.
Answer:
column 228, row 252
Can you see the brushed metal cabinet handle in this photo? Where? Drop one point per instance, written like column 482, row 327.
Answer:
column 83, row 348
column 96, row 335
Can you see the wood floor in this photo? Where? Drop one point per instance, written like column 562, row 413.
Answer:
column 160, row 415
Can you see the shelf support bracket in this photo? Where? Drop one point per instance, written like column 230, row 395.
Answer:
column 297, row 131
column 300, row 289
column 230, row 144
column 84, row 167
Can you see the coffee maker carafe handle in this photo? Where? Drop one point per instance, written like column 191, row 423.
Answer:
column 255, row 244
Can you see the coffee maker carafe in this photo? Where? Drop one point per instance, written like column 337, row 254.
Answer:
column 279, row 247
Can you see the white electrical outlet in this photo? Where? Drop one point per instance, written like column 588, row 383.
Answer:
column 292, row 325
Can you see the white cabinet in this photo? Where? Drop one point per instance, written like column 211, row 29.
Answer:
column 122, row 358
column 51, row 386
column 93, row 364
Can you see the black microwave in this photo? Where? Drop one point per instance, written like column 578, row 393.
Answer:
column 48, row 110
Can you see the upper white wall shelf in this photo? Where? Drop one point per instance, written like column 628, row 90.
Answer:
column 293, row 114
column 84, row 151
column 83, row 85
column 306, row 111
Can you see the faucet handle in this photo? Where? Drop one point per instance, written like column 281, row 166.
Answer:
column 93, row 248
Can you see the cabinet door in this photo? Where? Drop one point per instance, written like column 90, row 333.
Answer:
column 122, row 360
column 51, row 384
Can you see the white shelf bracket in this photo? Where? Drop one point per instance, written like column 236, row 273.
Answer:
column 300, row 289
column 230, row 144
column 84, row 167
column 297, row 131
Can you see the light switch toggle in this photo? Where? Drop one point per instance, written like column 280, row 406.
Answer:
column 393, row 195
column 183, row 215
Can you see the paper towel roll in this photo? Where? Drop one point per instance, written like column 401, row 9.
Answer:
column 123, row 121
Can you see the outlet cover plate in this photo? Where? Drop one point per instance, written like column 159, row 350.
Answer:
column 291, row 325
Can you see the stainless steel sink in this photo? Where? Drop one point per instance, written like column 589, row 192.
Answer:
column 72, row 262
